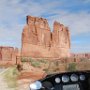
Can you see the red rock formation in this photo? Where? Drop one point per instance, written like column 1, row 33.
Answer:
column 81, row 55
column 39, row 41
column 8, row 54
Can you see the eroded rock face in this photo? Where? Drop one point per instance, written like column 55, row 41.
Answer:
column 39, row 41
column 8, row 54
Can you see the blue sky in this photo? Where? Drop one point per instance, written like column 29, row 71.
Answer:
column 72, row 13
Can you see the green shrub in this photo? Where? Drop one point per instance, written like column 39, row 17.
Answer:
column 43, row 61
column 23, row 59
column 34, row 63
column 46, row 70
column 71, row 67
column 83, row 59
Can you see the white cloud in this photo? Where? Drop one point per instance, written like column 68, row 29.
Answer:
column 78, row 23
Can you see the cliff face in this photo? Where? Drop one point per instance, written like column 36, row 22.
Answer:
column 8, row 54
column 39, row 41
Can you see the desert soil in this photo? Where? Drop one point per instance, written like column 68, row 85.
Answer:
column 23, row 81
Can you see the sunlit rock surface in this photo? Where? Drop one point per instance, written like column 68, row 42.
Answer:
column 8, row 54
column 38, row 40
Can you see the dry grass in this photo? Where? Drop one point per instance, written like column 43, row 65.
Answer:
column 10, row 77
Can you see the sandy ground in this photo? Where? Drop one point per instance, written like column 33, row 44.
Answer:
column 22, row 86
column 28, row 75
column 3, row 84
column 26, row 78
column 23, row 82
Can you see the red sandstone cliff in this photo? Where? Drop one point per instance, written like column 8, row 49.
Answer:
column 39, row 41
column 8, row 54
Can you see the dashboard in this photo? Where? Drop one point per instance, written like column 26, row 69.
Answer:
column 79, row 80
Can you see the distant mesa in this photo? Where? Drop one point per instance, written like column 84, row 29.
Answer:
column 8, row 55
column 38, row 41
column 80, row 55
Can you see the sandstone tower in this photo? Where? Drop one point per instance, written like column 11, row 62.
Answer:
column 38, row 41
